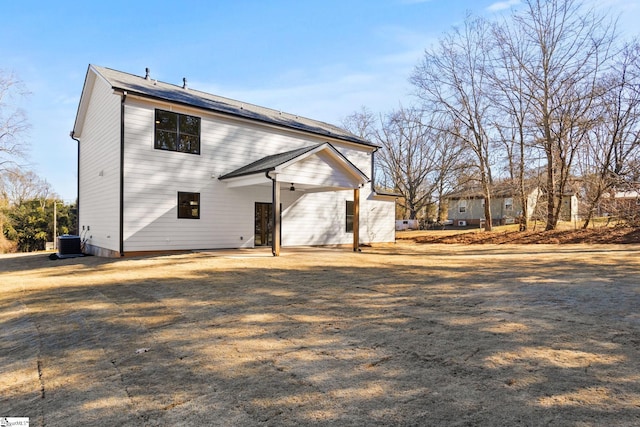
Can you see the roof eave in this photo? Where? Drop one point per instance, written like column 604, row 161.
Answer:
column 242, row 117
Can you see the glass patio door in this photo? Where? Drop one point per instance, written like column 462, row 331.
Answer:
column 263, row 224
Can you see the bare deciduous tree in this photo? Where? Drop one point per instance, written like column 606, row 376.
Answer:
column 361, row 123
column 566, row 47
column 451, row 80
column 415, row 160
column 407, row 159
column 514, row 108
column 613, row 148
column 13, row 121
column 18, row 186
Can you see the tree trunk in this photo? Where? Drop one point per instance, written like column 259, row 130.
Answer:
column 488, row 221
column 552, row 221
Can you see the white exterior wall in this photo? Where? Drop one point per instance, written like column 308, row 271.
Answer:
column 321, row 219
column 99, row 172
column 377, row 218
column 317, row 219
column 152, row 179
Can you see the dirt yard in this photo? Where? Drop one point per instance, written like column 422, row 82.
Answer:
column 507, row 235
column 409, row 334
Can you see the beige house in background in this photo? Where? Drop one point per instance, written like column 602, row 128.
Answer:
column 466, row 207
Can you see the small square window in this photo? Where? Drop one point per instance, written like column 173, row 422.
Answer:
column 189, row 205
column 462, row 209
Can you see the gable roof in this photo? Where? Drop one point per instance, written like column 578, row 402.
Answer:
column 154, row 89
column 269, row 163
column 279, row 162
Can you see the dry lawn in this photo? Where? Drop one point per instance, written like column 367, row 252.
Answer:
column 408, row 334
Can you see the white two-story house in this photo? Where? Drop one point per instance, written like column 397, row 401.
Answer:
column 163, row 167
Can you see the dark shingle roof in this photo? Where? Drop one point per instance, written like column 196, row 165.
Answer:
column 165, row 91
column 269, row 163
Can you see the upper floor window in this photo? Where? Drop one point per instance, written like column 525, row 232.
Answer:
column 177, row 132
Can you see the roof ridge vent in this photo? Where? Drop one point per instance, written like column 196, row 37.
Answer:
column 147, row 74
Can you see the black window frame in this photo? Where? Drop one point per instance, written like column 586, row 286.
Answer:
column 350, row 213
column 175, row 135
column 185, row 206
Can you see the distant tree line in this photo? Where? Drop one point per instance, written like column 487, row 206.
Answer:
column 27, row 214
column 27, row 202
column 549, row 92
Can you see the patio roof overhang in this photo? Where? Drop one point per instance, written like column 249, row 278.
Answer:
column 311, row 169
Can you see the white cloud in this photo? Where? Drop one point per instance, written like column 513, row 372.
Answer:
column 503, row 5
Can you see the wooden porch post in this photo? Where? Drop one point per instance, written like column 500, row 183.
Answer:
column 275, row 239
column 356, row 219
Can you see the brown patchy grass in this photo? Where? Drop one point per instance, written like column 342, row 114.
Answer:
column 509, row 235
column 406, row 334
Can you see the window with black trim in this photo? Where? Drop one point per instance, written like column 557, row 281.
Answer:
column 188, row 205
column 177, row 132
column 349, row 228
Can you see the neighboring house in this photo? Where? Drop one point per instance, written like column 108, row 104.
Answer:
column 621, row 202
column 164, row 167
column 466, row 207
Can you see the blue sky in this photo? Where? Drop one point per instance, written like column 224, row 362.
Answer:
column 320, row 59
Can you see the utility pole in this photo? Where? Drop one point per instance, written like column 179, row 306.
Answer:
column 55, row 225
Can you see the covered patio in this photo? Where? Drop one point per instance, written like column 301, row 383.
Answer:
column 312, row 169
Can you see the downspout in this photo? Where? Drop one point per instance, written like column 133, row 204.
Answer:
column 121, row 231
column 373, row 170
column 71, row 134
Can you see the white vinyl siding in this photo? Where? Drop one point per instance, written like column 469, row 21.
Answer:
column 99, row 173
column 377, row 218
column 152, row 179
column 318, row 170
column 316, row 219
column 320, row 218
